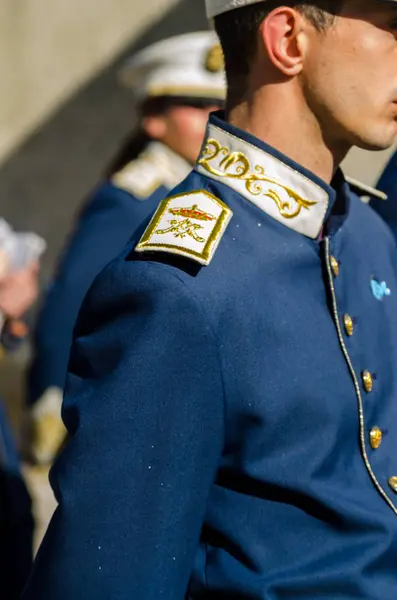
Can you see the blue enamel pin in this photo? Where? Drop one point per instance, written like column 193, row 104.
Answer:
column 379, row 290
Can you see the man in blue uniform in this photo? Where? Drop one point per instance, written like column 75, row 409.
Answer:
column 232, row 391
column 176, row 83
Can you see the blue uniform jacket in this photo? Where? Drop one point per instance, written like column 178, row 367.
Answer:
column 104, row 226
column 232, row 425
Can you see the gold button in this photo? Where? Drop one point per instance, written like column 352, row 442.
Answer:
column 368, row 381
column 393, row 483
column 349, row 325
column 334, row 266
column 375, row 438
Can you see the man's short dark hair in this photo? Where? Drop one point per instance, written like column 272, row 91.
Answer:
column 238, row 32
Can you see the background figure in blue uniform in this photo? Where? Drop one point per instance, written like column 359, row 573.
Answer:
column 176, row 83
column 232, row 390
column 388, row 184
column 18, row 291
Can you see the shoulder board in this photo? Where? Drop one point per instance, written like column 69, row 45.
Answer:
column 361, row 189
column 140, row 178
column 190, row 224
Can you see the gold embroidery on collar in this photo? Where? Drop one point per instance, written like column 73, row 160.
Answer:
column 253, row 180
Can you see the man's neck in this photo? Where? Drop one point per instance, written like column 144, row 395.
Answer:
column 290, row 129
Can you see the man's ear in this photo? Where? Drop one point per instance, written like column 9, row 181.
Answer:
column 155, row 126
column 283, row 35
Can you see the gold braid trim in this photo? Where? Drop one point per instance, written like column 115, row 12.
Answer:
column 253, row 180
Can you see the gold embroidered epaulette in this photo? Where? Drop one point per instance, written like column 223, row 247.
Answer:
column 364, row 190
column 190, row 224
column 140, row 178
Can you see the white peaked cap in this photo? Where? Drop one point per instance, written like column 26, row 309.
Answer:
column 189, row 65
column 217, row 7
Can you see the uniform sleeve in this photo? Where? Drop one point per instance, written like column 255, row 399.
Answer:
column 144, row 408
column 103, row 229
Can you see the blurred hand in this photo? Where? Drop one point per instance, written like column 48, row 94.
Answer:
column 18, row 291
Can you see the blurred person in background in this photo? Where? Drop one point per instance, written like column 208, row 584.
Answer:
column 388, row 184
column 18, row 291
column 176, row 83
